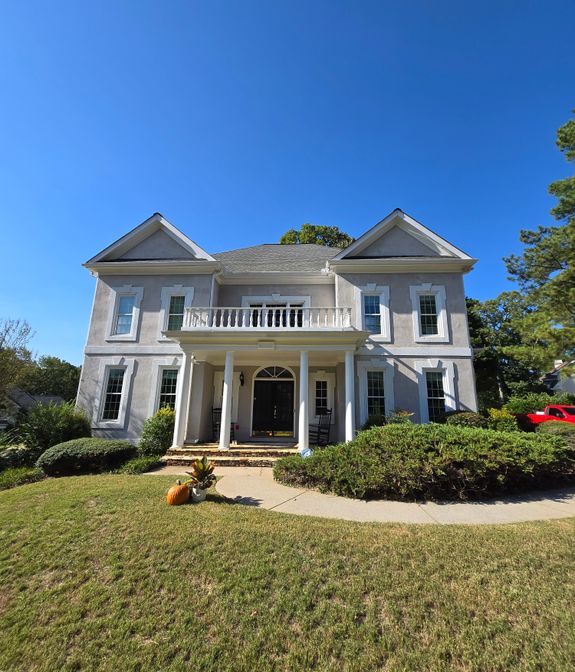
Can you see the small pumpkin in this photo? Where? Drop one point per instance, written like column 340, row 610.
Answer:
column 178, row 494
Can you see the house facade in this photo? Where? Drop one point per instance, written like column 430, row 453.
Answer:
column 257, row 343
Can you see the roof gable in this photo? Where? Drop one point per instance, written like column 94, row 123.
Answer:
column 153, row 240
column 399, row 235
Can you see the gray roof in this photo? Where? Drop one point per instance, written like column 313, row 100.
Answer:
column 276, row 257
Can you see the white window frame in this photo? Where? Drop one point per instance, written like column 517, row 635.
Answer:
column 447, row 370
column 329, row 377
column 388, row 368
column 158, row 366
column 415, row 291
column 382, row 291
column 118, row 293
column 166, row 296
column 105, row 366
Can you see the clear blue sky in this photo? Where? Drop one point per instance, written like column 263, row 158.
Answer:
column 238, row 120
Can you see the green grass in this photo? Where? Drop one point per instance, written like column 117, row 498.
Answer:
column 97, row 573
column 139, row 465
column 13, row 476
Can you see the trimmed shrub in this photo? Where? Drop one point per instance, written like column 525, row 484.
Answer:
column 85, row 456
column 157, row 433
column 466, row 419
column 139, row 465
column 14, row 476
column 502, row 420
column 415, row 462
column 537, row 401
column 46, row 425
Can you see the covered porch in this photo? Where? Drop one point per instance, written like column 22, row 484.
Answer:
column 264, row 388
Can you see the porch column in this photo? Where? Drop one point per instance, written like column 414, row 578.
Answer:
column 349, row 397
column 303, row 433
column 227, row 403
column 183, row 400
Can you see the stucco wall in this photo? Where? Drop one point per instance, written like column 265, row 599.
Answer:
column 321, row 295
column 396, row 243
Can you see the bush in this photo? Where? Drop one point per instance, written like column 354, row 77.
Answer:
column 537, row 401
column 46, row 425
column 17, row 456
column 466, row 419
column 414, row 462
column 565, row 430
column 139, row 465
column 14, row 476
column 501, row 420
column 157, row 433
column 85, row 456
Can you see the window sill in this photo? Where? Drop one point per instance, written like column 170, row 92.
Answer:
column 124, row 338
column 432, row 339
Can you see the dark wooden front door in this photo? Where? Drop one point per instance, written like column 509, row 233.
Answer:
column 273, row 408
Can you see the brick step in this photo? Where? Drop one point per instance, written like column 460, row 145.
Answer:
column 233, row 452
column 221, row 461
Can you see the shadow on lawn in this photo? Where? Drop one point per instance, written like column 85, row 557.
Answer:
column 220, row 499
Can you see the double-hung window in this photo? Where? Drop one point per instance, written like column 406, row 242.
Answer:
column 176, row 312
column 435, row 396
column 372, row 313
column 168, row 386
column 113, row 394
column 321, row 398
column 375, row 392
column 372, row 305
column 125, row 313
column 174, row 302
column 429, row 312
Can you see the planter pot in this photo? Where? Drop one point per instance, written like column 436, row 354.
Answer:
column 198, row 494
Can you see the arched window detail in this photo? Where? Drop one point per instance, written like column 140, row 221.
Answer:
column 274, row 372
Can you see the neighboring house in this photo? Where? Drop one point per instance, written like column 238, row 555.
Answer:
column 275, row 334
column 557, row 381
column 17, row 401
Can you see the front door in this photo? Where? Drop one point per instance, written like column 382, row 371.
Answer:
column 273, row 408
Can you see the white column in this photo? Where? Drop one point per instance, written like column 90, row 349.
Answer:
column 349, row 397
column 227, row 402
column 303, row 433
column 183, row 400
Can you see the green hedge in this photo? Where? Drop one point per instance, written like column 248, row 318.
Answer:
column 417, row 462
column 466, row 419
column 85, row 456
column 536, row 401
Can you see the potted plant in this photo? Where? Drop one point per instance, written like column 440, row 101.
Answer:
column 201, row 478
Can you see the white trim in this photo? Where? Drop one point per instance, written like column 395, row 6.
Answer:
column 166, row 295
column 304, row 301
column 415, row 291
column 154, row 223
column 388, row 368
column 158, row 365
column 276, row 277
column 329, row 377
column 117, row 294
column 105, row 366
column 170, row 348
column 218, row 389
column 448, row 374
column 408, row 224
column 371, row 289
column 416, row 350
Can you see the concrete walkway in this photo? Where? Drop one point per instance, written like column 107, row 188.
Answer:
column 255, row 486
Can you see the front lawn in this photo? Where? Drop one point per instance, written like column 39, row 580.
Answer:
column 97, row 573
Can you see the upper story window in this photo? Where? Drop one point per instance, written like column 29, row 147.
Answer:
column 125, row 313
column 372, row 303
column 174, row 301
column 429, row 313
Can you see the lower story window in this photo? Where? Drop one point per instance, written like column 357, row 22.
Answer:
column 375, row 393
column 113, row 397
column 320, row 397
column 435, row 396
column 168, row 388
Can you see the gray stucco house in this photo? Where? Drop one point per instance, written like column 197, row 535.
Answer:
column 273, row 335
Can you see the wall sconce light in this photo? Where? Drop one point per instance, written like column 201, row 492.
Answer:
column 242, row 379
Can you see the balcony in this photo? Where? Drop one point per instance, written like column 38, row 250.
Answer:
column 270, row 318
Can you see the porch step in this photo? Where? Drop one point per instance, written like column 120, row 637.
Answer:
column 237, row 456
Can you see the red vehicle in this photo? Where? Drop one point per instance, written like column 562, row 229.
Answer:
column 555, row 412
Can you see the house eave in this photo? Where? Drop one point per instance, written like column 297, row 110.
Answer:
column 402, row 265
column 153, row 267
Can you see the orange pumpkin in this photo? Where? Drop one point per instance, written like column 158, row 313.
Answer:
column 178, row 494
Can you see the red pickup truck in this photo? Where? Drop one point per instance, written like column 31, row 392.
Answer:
column 561, row 413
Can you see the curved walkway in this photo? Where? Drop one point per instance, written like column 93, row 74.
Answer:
column 255, row 486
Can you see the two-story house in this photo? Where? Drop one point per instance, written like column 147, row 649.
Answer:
column 273, row 335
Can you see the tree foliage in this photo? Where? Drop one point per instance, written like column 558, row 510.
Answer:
column 14, row 353
column 51, row 376
column 330, row 236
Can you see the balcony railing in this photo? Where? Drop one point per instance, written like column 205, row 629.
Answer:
column 282, row 318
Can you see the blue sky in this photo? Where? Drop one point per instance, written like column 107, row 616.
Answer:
column 240, row 120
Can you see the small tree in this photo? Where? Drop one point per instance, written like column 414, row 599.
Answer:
column 330, row 236
column 157, row 433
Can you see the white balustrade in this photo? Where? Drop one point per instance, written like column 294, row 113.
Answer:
column 272, row 317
